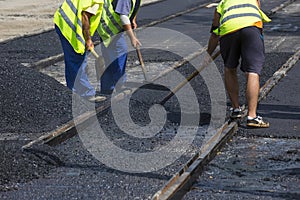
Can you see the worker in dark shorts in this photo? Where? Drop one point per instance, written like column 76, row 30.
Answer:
column 238, row 25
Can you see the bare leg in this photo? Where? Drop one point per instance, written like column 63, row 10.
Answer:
column 232, row 86
column 252, row 92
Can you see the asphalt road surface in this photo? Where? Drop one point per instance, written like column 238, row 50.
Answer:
column 33, row 103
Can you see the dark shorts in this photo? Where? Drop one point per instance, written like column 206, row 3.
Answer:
column 247, row 44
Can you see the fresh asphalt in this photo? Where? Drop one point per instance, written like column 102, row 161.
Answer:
column 263, row 163
column 260, row 163
column 69, row 172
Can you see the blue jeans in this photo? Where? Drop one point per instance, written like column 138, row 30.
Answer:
column 115, row 57
column 75, row 69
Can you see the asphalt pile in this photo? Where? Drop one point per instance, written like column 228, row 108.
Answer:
column 33, row 104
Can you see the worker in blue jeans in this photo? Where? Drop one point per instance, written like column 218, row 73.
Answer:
column 117, row 16
column 115, row 56
column 75, row 22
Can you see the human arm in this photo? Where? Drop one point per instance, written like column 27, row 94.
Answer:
column 133, row 23
column 128, row 28
column 212, row 43
column 86, row 30
column 214, row 39
column 123, row 8
column 258, row 3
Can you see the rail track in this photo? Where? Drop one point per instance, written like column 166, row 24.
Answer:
column 68, row 129
column 182, row 180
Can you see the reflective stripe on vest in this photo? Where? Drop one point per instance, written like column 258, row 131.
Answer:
column 68, row 19
column 110, row 21
column 235, row 16
column 241, row 14
column 70, row 23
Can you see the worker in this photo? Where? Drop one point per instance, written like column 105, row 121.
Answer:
column 237, row 26
column 75, row 22
column 118, row 16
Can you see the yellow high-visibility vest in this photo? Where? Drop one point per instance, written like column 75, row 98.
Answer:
column 68, row 18
column 110, row 23
column 237, row 14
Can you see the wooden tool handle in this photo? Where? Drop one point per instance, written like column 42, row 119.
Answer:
column 94, row 53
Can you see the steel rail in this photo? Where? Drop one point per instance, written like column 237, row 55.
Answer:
column 57, row 58
column 68, row 129
column 281, row 6
column 188, row 79
column 183, row 179
column 167, row 18
column 44, row 63
column 184, row 176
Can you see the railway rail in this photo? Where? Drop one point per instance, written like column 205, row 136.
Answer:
column 181, row 180
column 68, row 130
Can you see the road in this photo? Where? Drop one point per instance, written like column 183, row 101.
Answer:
column 33, row 103
column 27, row 17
